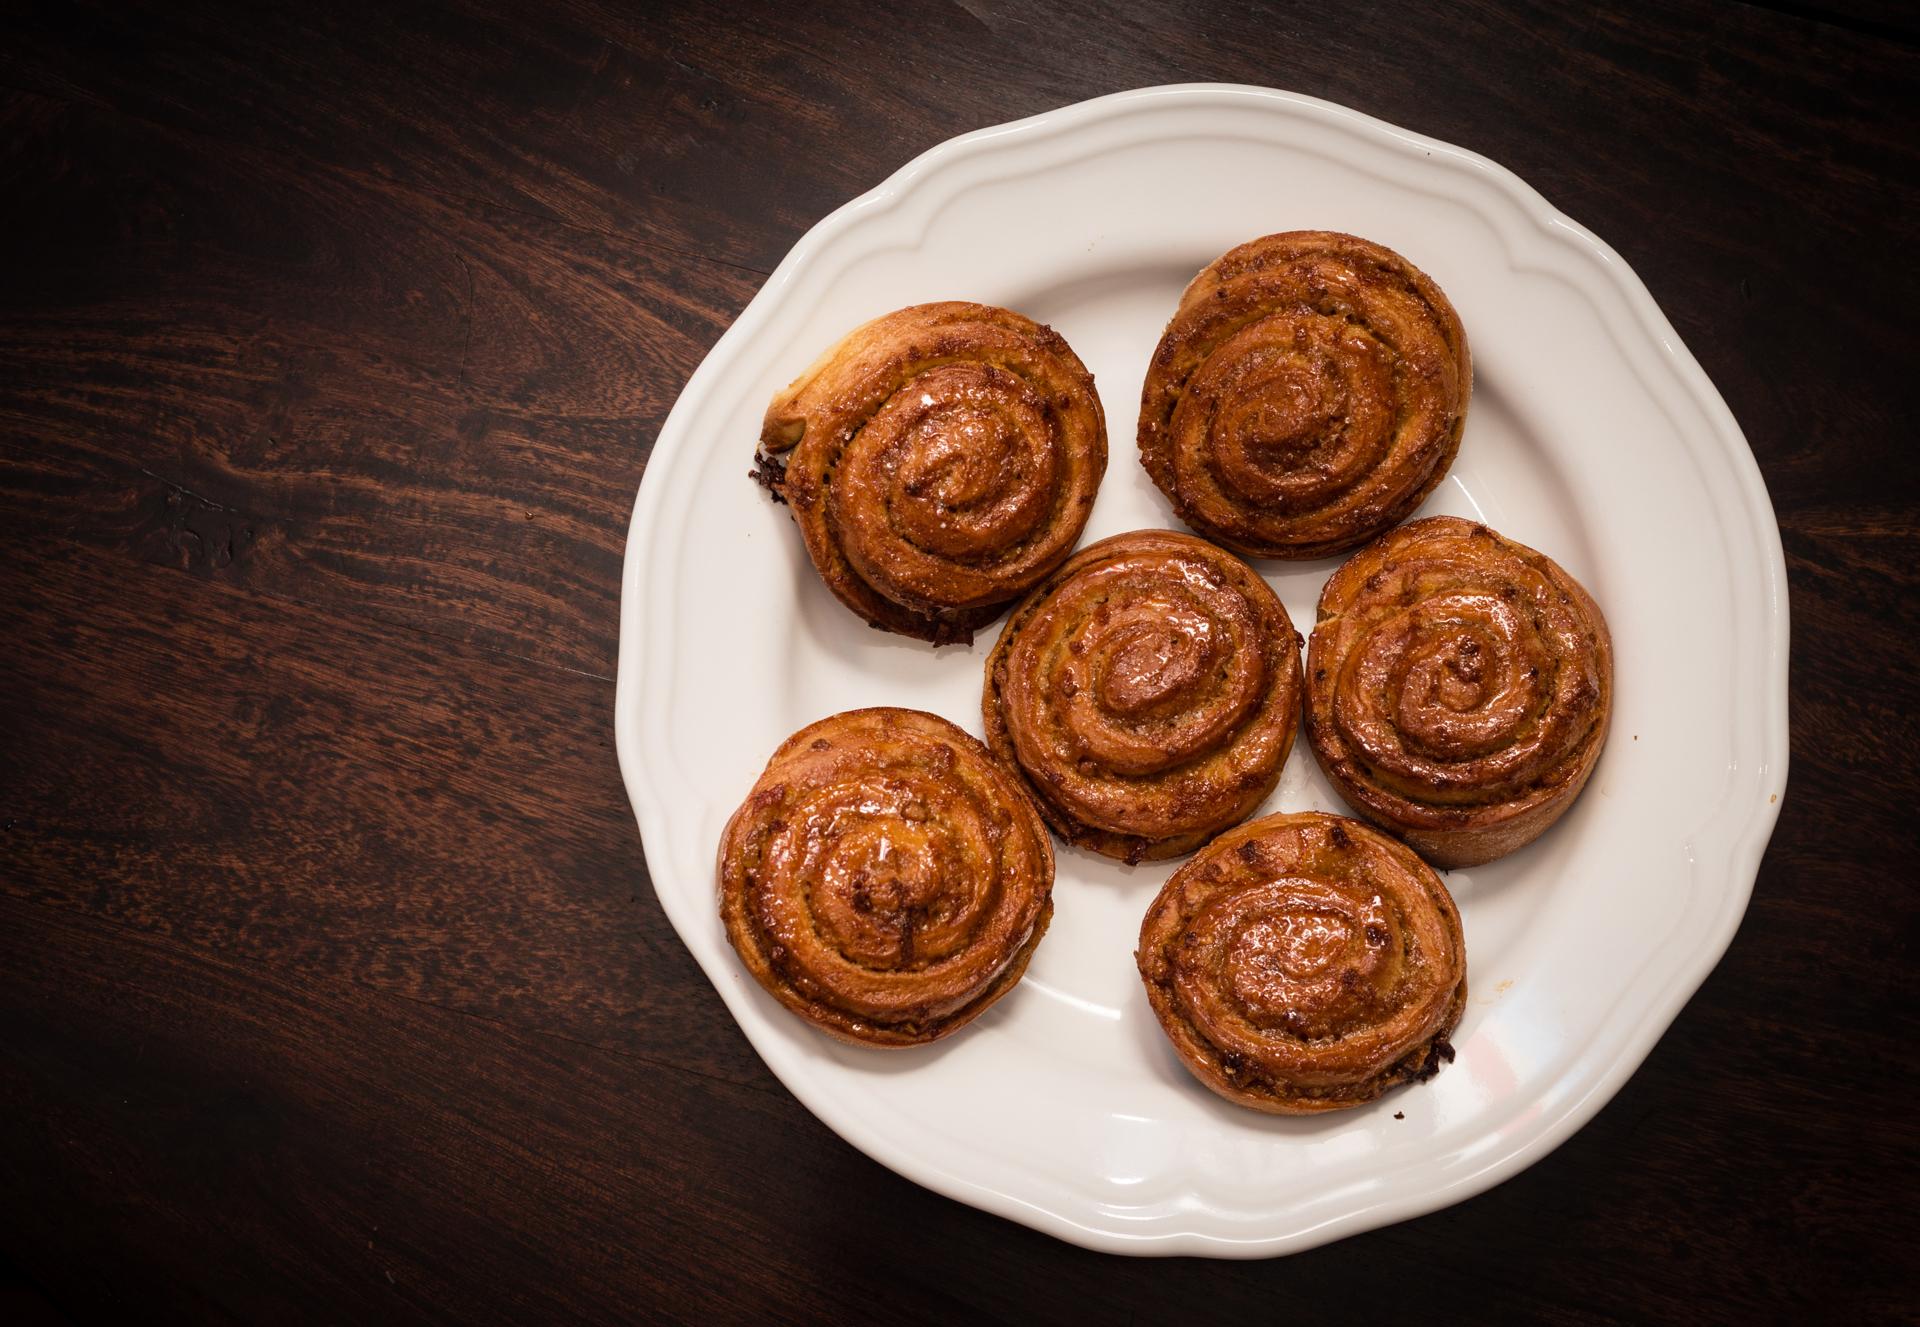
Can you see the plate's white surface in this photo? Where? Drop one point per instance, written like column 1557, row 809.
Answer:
column 1593, row 435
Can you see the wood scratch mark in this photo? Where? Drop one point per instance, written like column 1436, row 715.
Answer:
column 181, row 488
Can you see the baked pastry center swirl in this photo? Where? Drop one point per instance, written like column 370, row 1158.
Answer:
column 1303, row 963
column 1460, row 687
column 939, row 461
column 1297, row 953
column 885, row 879
column 1308, row 393
column 1147, row 691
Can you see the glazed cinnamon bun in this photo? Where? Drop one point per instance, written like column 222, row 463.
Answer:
column 1147, row 692
column 1305, row 963
column 1307, row 395
column 940, row 461
column 885, row 879
column 1459, row 688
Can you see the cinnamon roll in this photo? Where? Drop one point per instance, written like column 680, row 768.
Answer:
column 1307, row 395
column 1147, row 692
column 1305, row 963
column 1459, row 688
column 885, row 879
column 939, row 461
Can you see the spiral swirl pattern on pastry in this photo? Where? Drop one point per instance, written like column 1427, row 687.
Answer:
column 1305, row 963
column 885, row 879
column 1148, row 692
column 939, row 461
column 1460, row 687
column 1307, row 395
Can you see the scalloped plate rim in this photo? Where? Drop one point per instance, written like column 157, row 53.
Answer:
column 646, row 768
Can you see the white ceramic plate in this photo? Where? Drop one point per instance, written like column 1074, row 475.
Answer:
column 1593, row 435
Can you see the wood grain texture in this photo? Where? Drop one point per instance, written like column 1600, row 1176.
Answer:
column 331, row 388
column 332, row 342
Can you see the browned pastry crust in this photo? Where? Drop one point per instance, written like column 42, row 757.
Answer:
column 1459, row 688
column 885, row 879
column 939, row 461
column 1307, row 395
column 1147, row 692
column 1305, row 963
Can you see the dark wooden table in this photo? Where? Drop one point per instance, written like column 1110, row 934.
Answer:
column 332, row 986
